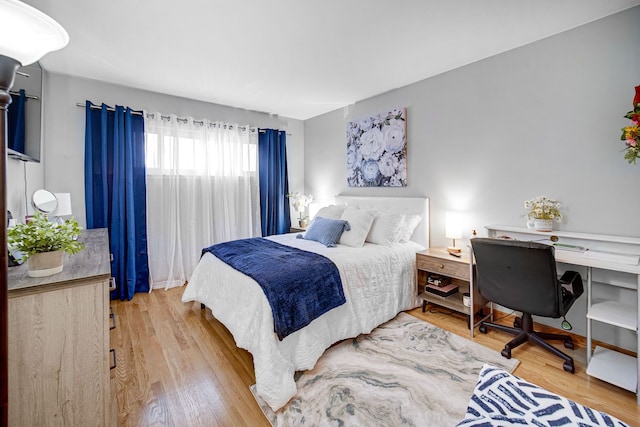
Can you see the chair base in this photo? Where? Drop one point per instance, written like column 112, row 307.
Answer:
column 525, row 333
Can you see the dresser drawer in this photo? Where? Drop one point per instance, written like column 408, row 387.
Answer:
column 442, row 266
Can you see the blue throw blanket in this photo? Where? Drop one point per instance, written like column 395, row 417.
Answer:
column 299, row 285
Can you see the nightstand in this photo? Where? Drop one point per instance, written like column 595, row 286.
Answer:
column 439, row 261
column 297, row 230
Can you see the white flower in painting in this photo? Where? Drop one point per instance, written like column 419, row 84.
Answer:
column 353, row 130
column 396, row 113
column 370, row 170
column 372, row 144
column 394, row 136
column 388, row 164
column 402, row 169
column 366, row 124
column 353, row 157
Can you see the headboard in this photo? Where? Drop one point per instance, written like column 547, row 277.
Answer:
column 419, row 205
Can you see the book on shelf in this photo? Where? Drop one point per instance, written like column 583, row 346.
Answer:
column 443, row 291
column 438, row 280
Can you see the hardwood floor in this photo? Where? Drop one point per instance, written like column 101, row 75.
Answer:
column 179, row 366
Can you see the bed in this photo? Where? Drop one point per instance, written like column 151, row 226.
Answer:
column 378, row 282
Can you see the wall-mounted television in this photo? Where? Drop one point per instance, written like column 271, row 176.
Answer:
column 24, row 124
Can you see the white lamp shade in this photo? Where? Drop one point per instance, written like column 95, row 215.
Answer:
column 453, row 225
column 26, row 34
column 64, row 205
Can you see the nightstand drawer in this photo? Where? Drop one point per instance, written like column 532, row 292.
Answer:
column 441, row 266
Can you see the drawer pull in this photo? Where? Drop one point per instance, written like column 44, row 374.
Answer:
column 112, row 316
column 113, row 352
column 112, row 283
column 441, row 265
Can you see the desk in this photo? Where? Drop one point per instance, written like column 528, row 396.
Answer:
column 601, row 254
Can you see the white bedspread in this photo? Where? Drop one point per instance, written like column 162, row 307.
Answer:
column 378, row 283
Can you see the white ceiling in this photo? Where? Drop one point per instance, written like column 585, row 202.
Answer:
column 296, row 58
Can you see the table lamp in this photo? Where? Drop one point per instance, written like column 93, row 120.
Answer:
column 453, row 230
column 26, row 35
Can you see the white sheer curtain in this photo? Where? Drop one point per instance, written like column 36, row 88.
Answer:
column 202, row 188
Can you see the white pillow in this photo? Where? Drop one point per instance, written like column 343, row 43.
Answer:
column 409, row 225
column 331, row 211
column 385, row 229
column 360, row 221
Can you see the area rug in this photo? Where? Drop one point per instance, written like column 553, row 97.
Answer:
column 406, row 372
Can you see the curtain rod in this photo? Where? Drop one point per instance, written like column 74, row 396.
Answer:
column 162, row 116
column 11, row 92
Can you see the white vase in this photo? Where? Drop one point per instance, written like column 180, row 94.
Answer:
column 45, row 263
column 543, row 224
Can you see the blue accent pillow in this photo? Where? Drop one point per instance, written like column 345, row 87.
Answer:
column 326, row 231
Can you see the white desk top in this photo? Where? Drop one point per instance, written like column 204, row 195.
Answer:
column 601, row 249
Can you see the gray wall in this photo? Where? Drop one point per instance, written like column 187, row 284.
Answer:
column 62, row 165
column 543, row 119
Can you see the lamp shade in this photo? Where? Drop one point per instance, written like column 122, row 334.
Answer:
column 453, row 225
column 26, row 34
column 64, row 205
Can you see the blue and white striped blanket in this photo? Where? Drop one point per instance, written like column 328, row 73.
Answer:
column 502, row 399
column 299, row 285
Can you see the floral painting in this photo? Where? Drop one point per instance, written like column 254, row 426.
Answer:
column 377, row 150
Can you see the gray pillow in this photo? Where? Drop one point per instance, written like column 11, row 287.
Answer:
column 326, row 231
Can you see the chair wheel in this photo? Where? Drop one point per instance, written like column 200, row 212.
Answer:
column 568, row 366
column 568, row 344
column 506, row 353
column 483, row 329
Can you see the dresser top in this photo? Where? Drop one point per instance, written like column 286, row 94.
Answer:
column 90, row 264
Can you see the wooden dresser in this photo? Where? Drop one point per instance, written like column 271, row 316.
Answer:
column 59, row 340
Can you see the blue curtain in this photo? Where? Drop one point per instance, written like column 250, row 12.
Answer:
column 15, row 118
column 115, row 192
column 274, row 184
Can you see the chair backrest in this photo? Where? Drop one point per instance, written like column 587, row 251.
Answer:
column 518, row 275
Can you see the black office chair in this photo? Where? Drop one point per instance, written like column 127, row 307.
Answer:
column 522, row 276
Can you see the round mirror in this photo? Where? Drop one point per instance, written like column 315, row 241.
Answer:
column 44, row 201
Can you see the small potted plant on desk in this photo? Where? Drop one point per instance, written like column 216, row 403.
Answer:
column 542, row 212
column 43, row 243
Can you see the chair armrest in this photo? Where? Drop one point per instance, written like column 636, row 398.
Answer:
column 574, row 279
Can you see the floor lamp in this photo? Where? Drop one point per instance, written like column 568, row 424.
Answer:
column 26, row 35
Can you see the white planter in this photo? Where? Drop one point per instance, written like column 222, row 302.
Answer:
column 543, row 224
column 45, row 263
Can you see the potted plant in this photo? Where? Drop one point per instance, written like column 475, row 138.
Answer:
column 300, row 202
column 43, row 243
column 542, row 212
